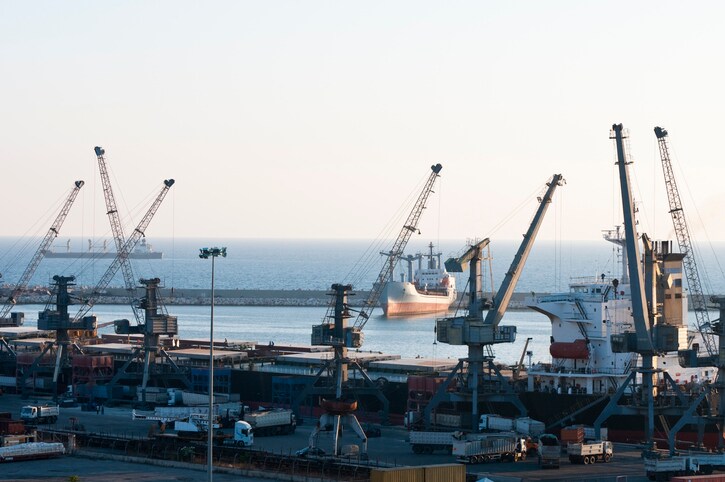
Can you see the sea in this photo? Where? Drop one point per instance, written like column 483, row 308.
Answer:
column 305, row 264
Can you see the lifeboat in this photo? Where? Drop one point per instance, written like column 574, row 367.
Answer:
column 339, row 406
column 576, row 349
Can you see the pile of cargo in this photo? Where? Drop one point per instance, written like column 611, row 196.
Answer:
column 491, row 422
column 577, row 434
column 31, row 450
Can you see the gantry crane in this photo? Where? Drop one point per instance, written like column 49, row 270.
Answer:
column 477, row 381
column 336, row 333
column 696, row 296
column 37, row 258
column 117, row 229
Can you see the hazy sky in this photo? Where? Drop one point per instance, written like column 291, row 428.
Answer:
column 311, row 119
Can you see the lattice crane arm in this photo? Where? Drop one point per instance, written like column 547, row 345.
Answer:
column 42, row 249
column 410, row 226
column 116, row 228
column 697, row 297
column 128, row 246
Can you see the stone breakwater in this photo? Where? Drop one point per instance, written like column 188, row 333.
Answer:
column 180, row 296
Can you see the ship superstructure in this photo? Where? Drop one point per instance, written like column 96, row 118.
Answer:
column 431, row 290
column 583, row 320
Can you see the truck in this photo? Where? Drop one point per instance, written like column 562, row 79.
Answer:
column 589, row 453
column 490, row 449
column 35, row 414
column 495, row 422
column 271, row 422
column 662, row 466
column 529, row 426
column 549, row 451
column 243, row 435
column 427, row 442
column 30, row 451
column 176, row 397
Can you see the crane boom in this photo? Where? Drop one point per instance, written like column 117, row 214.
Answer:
column 410, row 226
column 116, row 228
column 504, row 293
column 128, row 246
column 697, row 297
column 42, row 249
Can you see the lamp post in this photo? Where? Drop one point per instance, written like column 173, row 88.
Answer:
column 206, row 253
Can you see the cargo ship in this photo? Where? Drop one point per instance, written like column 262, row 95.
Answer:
column 432, row 289
column 143, row 251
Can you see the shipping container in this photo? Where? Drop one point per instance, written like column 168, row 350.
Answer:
column 398, row 474
column 445, row 473
column 573, row 434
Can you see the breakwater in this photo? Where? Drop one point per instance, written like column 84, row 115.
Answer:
column 227, row 297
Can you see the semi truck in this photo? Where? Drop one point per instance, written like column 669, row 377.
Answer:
column 271, row 422
column 659, row 466
column 490, row 449
column 35, row 414
column 589, row 453
column 426, row 442
column 243, row 435
column 549, row 451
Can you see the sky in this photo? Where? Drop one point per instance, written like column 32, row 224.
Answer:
column 321, row 119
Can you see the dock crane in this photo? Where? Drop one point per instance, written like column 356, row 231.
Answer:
column 712, row 331
column 696, row 296
column 117, row 229
column 59, row 320
column 36, row 259
column 338, row 334
column 126, row 249
column 649, row 337
column 479, row 333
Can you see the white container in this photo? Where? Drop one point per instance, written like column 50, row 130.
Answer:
column 492, row 421
column 529, row 426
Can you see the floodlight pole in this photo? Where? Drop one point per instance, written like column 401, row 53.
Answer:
column 206, row 253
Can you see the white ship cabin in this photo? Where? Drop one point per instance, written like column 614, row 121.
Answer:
column 583, row 321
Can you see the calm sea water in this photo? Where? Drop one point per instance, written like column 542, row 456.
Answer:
column 317, row 264
column 307, row 264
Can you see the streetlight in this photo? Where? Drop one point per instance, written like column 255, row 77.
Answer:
column 206, row 253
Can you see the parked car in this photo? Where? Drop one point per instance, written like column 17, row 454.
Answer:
column 310, row 451
column 371, row 431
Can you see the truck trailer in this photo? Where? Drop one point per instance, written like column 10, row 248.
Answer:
column 490, row 449
column 271, row 422
column 589, row 453
column 549, row 451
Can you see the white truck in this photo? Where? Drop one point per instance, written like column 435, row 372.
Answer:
column 243, row 435
column 659, row 466
column 489, row 449
column 529, row 426
column 35, row 414
column 495, row 422
column 589, row 453
column 549, row 451
column 425, row 442
column 271, row 422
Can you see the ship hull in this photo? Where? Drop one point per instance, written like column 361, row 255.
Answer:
column 90, row 255
column 402, row 299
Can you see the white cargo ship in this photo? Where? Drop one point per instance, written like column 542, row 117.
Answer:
column 432, row 289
